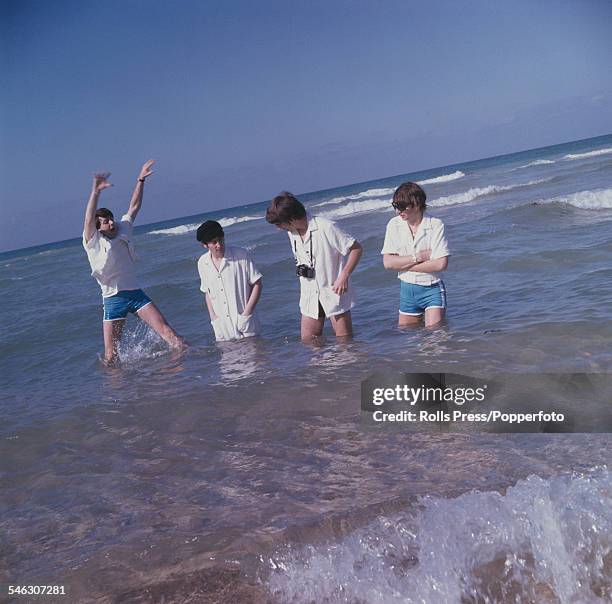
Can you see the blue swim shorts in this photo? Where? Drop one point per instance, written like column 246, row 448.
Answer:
column 414, row 299
column 128, row 300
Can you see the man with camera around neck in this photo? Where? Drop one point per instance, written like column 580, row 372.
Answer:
column 325, row 256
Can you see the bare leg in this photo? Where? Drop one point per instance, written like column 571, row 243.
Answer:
column 408, row 320
column 343, row 325
column 433, row 316
column 112, row 334
column 155, row 320
column 311, row 329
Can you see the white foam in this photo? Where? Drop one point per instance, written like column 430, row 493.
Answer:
column 139, row 342
column 599, row 199
column 588, row 154
column 389, row 191
column 362, row 195
column 188, row 228
column 355, row 207
column 177, row 230
column 225, row 222
column 444, row 178
column 537, row 162
column 472, row 194
column 544, row 540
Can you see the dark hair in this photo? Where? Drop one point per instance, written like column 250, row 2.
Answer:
column 409, row 195
column 103, row 213
column 208, row 231
column 284, row 208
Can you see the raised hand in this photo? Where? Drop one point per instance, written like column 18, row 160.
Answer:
column 146, row 171
column 100, row 181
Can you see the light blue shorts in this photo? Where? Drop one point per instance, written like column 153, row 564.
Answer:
column 414, row 299
column 118, row 306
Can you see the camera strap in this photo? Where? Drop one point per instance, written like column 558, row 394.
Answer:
column 310, row 258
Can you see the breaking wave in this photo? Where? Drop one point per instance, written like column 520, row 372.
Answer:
column 178, row 230
column 537, row 162
column 188, row 228
column 444, row 178
column 588, row 154
column 545, row 540
column 389, row 191
column 471, row 194
column 600, row 199
column 362, row 195
column 355, row 207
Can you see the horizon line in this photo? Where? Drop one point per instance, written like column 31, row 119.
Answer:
column 73, row 240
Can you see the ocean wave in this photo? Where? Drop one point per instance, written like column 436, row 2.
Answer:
column 444, row 178
column 363, row 194
column 225, row 222
column 599, row 199
column 537, row 162
column 389, row 191
column 177, row 230
column 472, row 194
column 355, row 207
column 588, row 154
column 498, row 547
column 188, row 228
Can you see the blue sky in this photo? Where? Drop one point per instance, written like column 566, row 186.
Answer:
column 238, row 100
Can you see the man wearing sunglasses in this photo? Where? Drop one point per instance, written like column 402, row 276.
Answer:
column 416, row 246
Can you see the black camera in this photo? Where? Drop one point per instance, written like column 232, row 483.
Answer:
column 303, row 270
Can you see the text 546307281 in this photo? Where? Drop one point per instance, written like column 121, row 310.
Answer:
column 36, row 590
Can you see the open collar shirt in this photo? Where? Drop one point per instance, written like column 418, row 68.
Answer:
column 229, row 289
column 429, row 236
column 112, row 260
column 329, row 246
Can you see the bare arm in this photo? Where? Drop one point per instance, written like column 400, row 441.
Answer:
column 100, row 182
column 253, row 298
column 211, row 310
column 136, row 200
column 341, row 284
column 431, row 266
column 422, row 263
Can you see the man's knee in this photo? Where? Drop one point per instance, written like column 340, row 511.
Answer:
column 342, row 324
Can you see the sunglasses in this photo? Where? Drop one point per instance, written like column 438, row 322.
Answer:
column 400, row 207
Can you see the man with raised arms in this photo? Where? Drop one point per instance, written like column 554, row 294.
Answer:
column 111, row 255
column 325, row 256
column 230, row 283
column 416, row 246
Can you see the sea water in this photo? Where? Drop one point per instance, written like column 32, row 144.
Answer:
column 243, row 469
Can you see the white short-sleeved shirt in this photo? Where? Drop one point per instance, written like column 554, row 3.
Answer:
column 112, row 260
column 429, row 236
column 229, row 289
column 330, row 245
